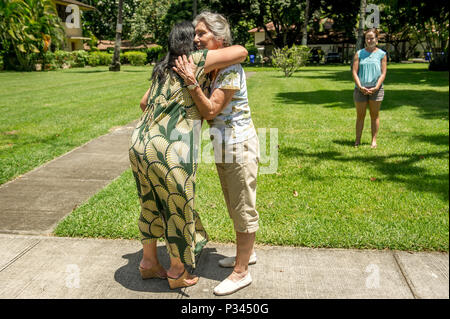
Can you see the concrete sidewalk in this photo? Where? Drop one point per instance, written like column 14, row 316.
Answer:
column 52, row 267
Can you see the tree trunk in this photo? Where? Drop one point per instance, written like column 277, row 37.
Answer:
column 305, row 25
column 115, row 66
column 362, row 12
column 194, row 9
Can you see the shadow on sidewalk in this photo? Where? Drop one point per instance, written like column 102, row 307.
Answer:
column 207, row 267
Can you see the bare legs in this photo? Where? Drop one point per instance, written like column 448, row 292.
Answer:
column 374, row 107
column 360, row 116
column 244, row 248
column 150, row 259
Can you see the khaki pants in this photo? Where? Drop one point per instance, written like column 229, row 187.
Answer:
column 238, row 181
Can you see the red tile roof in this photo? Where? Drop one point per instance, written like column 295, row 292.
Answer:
column 104, row 45
column 78, row 3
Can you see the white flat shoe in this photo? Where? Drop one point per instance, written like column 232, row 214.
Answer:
column 228, row 286
column 230, row 262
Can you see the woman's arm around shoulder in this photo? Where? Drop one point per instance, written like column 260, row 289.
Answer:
column 221, row 58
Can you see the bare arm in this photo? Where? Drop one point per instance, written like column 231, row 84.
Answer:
column 209, row 108
column 144, row 100
column 221, row 58
column 355, row 69
column 383, row 74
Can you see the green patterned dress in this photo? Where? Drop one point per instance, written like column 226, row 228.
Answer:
column 163, row 155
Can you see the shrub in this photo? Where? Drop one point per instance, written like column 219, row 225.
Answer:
column 291, row 59
column 93, row 59
column 136, row 57
column 49, row 61
column 103, row 58
column 1, row 62
column 80, row 58
column 123, row 58
column 63, row 57
column 153, row 53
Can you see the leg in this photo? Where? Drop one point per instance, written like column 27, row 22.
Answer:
column 360, row 116
column 149, row 223
column 150, row 257
column 242, row 210
column 244, row 248
column 374, row 107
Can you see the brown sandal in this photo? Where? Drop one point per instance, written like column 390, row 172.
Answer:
column 180, row 281
column 152, row 272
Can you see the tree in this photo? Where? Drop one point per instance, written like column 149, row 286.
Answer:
column 286, row 16
column 148, row 25
column 115, row 66
column 305, row 24
column 154, row 19
column 102, row 21
column 344, row 14
column 362, row 12
column 26, row 29
column 430, row 23
column 415, row 22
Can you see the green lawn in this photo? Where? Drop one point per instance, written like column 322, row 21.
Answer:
column 395, row 196
column 46, row 114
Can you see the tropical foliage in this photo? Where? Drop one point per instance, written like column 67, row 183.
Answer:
column 27, row 28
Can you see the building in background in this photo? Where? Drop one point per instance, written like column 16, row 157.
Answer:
column 74, row 34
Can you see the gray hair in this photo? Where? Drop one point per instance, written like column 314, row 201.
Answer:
column 218, row 25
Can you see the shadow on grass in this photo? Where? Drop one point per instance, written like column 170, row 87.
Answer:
column 129, row 276
column 429, row 103
column 135, row 71
column 87, row 71
column 436, row 139
column 399, row 168
column 394, row 76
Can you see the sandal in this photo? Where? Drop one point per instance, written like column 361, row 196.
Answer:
column 180, row 281
column 153, row 272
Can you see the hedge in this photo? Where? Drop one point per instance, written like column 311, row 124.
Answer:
column 136, row 57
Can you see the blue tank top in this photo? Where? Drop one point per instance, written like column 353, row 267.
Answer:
column 370, row 67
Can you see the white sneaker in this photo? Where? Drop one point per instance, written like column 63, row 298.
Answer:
column 229, row 262
column 228, row 286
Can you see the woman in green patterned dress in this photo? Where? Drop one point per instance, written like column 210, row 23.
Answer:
column 163, row 158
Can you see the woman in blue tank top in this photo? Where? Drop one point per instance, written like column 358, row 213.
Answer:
column 369, row 72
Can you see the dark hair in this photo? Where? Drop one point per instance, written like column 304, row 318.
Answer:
column 181, row 41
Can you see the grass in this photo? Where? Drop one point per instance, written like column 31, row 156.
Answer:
column 325, row 193
column 46, row 114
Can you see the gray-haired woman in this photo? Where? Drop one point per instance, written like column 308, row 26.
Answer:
column 235, row 143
